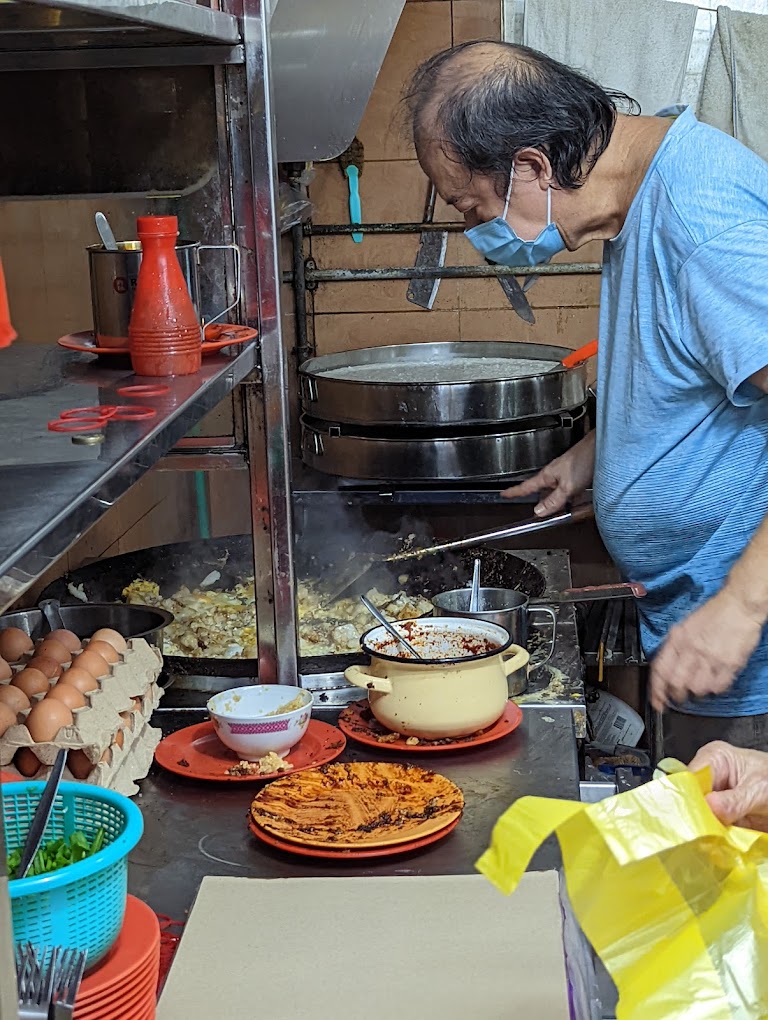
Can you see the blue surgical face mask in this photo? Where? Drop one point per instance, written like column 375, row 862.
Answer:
column 497, row 241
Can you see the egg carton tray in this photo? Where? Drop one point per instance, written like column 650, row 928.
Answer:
column 122, row 704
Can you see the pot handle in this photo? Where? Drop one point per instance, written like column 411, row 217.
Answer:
column 518, row 660
column 358, row 677
column 546, row 611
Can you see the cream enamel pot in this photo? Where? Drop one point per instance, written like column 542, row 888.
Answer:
column 459, row 687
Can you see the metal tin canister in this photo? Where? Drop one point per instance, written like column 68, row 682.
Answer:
column 113, row 284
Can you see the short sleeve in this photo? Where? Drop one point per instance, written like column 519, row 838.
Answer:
column 723, row 299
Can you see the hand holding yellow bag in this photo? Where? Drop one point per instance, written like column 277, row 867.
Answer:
column 674, row 903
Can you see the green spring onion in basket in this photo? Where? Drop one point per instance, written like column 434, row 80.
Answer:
column 57, row 854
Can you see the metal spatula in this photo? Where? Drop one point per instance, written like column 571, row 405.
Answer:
column 356, row 568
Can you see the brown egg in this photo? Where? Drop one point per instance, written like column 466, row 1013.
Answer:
column 104, row 649
column 107, row 756
column 53, row 649
column 5, row 670
column 119, row 739
column 46, row 718
column 70, row 641
column 93, row 663
column 26, row 761
column 67, row 694
column 14, row 698
column 7, row 718
column 14, row 643
column 80, row 678
column 79, row 764
column 117, row 641
column 50, row 667
column 127, row 718
column 31, row 681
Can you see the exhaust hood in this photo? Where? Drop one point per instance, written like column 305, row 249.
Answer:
column 326, row 56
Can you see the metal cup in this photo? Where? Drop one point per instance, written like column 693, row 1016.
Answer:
column 113, row 284
column 507, row 608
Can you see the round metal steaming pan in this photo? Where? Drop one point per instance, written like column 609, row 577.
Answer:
column 415, row 457
column 511, row 397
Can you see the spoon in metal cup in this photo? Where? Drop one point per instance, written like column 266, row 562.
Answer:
column 390, row 629
column 474, row 598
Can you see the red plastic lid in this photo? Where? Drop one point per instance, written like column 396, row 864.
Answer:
column 157, row 226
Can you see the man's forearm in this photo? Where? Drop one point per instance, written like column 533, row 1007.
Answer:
column 748, row 579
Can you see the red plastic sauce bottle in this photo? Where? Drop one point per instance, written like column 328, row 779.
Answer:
column 164, row 333
column 7, row 332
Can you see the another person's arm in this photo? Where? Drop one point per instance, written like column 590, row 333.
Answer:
column 739, row 784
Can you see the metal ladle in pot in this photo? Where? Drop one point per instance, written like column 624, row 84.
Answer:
column 390, row 629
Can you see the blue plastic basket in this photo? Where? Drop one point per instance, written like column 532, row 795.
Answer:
column 83, row 904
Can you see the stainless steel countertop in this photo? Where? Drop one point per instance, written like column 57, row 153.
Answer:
column 54, row 489
column 194, row 829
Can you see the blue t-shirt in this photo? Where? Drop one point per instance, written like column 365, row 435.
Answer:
column 681, row 475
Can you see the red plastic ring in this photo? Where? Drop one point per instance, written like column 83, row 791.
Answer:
column 75, row 425
column 144, row 390
column 85, row 413
column 133, row 412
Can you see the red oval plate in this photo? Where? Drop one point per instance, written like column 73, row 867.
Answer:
column 208, row 758
column 357, row 722
column 349, row 855
column 217, row 335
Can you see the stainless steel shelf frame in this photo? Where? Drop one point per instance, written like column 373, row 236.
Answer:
column 236, row 38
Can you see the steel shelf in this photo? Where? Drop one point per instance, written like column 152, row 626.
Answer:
column 54, row 488
column 79, row 34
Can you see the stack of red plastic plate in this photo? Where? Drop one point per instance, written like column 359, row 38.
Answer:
column 124, row 985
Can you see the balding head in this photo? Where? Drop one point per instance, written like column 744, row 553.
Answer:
column 484, row 102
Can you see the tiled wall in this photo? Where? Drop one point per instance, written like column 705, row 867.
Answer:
column 393, row 187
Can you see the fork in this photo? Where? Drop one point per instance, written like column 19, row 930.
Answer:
column 35, row 977
column 68, row 978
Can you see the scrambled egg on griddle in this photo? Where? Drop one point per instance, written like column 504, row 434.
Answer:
column 221, row 624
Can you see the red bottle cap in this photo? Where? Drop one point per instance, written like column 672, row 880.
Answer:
column 157, row 226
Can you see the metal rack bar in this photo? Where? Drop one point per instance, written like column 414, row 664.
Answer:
column 314, row 276
column 265, row 405
column 129, row 56
column 339, row 229
column 188, row 19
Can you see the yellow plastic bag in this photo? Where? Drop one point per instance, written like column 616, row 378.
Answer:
column 674, row 903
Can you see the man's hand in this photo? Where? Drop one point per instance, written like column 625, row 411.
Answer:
column 705, row 652
column 564, row 479
column 739, row 784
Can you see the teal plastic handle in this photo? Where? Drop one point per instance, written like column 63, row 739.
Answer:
column 355, row 208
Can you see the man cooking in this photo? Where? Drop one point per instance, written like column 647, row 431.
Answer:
column 538, row 160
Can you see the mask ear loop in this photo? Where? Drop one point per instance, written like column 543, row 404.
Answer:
column 509, row 191
column 549, row 206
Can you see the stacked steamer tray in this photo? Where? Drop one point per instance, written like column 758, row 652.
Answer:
column 106, row 730
column 440, row 412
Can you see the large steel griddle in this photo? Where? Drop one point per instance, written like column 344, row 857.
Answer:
column 172, row 566
column 511, row 397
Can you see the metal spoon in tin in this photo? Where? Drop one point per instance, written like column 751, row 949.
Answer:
column 474, row 598
column 105, row 232
column 389, row 627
